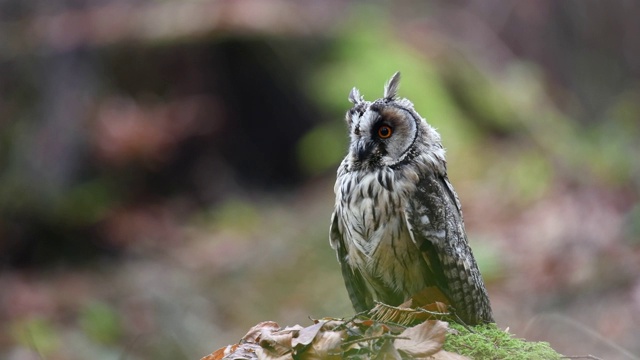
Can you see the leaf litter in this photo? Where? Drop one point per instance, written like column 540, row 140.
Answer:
column 335, row 339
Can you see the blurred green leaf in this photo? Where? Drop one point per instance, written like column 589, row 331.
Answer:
column 531, row 174
column 101, row 323
column 236, row 215
column 86, row 203
column 36, row 333
column 322, row 148
column 490, row 258
column 632, row 226
column 487, row 103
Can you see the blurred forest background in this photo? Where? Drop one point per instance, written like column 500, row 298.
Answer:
column 167, row 167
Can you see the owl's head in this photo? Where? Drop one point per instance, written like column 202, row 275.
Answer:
column 388, row 131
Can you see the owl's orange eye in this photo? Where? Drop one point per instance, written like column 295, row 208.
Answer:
column 385, row 131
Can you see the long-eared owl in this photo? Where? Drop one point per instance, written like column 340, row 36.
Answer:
column 397, row 225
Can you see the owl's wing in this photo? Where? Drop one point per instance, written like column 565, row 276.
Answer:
column 356, row 286
column 435, row 221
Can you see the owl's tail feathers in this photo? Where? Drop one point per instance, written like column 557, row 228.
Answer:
column 406, row 316
column 428, row 304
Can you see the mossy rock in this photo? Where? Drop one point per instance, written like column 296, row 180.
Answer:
column 490, row 342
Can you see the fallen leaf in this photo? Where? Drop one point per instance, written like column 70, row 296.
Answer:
column 266, row 354
column 377, row 329
column 367, row 322
column 325, row 346
column 296, row 327
column 329, row 343
column 330, row 324
column 220, row 353
column 388, row 352
column 277, row 345
column 306, row 335
column 424, row 339
column 277, row 341
column 235, row 352
column 255, row 333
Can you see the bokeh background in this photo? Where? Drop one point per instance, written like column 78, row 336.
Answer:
column 167, row 167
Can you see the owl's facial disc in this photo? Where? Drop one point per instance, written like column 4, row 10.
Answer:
column 382, row 135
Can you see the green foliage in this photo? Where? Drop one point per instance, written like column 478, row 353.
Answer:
column 609, row 143
column 86, row 203
column 36, row 333
column 489, row 342
column 490, row 259
column 632, row 226
column 235, row 214
column 101, row 323
column 322, row 148
column 489, row 104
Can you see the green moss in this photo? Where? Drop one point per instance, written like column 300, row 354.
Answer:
column 489, row 342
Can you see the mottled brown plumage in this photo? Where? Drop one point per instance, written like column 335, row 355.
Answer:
column 397, row 227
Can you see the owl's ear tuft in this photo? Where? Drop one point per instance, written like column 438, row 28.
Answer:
column 355, row 97
column 391, row 87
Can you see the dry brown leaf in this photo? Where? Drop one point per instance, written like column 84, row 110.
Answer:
column 329, row 343
column 296, row 327
column 325, row 346
column 388, row 352
column 330, row 323
column 376, row 330
column 424, row 339
column 278, row 344
column 367, row 322
column 255, row 333
column 277, row 341
column 267, row 354
column 306, row 335
column 324, row 340
column 235, row 352
column 220, row 353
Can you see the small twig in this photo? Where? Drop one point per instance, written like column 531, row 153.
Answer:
column 361, row 313
column 351, row 319
column 383, row 336
column 404, row 315
column 388, row 322
column 454, row 314
column 434, row 313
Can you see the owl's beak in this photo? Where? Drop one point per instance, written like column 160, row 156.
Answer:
column 363, row 150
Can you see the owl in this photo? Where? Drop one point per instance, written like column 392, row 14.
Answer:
column 397, row 225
